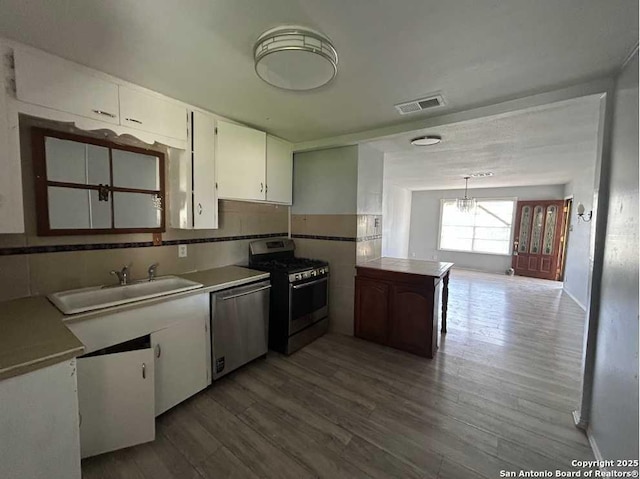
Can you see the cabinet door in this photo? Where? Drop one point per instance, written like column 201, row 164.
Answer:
column 116, row 400
column 411, row 319
column 279, row 170
column 372, row 310
column 63, row 86
column 146, row 112
column 240, row 162
column 181, row 352
column 205, row 197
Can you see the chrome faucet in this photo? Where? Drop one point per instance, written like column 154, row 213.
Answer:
column 152, row 271
column 123, row 275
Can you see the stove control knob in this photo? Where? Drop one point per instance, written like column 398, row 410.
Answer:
column 322, row 271
column 314, row 273
column 298, row 277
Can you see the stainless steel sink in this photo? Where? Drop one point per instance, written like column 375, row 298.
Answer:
column 88, row 299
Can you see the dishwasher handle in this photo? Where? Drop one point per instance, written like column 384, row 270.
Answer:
column 246, row 293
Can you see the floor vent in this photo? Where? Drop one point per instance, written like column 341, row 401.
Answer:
column 431, row 101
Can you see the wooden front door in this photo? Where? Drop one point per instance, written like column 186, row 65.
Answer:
column 536, row 245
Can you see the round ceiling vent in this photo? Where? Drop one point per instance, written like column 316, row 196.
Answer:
column 295, row 58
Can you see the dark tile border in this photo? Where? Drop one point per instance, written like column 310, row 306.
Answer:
column 349, row 239
column 326, row 238
column 9, row 251
column 369, row 238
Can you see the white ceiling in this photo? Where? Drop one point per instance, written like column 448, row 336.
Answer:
column 200, row 51
column 545, row 145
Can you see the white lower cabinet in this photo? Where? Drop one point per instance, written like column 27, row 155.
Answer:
column 140, row 362
column 181, row 361
column 116, row 400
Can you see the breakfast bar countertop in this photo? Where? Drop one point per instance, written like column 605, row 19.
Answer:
column 435, row 269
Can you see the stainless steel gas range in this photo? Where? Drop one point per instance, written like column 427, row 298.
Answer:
column 299, row 305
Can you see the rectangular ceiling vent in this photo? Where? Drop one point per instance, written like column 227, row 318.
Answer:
column 431, row 101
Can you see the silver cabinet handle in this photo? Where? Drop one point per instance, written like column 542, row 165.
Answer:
column 144, row 371
column 133, row 120
column 199, row 208
column 105, row 113
column 246, row 293
column 305, row 285
column 158, row 350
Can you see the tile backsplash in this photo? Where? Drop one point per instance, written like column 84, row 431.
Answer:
column 343, row 241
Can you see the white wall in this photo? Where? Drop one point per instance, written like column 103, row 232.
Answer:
column 396, row 221
column 326, row 181
column 614, row 409
column 578, row 259
column 425, row 219
column 370, row 172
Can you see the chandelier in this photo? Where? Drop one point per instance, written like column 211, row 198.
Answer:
column 466, row 204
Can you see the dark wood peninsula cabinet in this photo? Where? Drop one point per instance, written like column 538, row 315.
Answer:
column 400, row 302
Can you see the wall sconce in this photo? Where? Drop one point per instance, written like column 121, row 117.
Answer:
column 586, row 217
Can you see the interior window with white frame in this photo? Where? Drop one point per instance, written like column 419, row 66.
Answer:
column 487, row 229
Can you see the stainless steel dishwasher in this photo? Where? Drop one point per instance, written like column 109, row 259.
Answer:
column 239, row 326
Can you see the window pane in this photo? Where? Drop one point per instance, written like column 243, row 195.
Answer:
column 456, row 243
column 135, row 210
column 135, row 170
column 490, row 246
column 74, row 162
column 457, row 231
column 98, row 165
column 452, row 216
column 486, row 230
column 68, row 208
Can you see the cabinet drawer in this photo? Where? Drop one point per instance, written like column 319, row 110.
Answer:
column 146, row 112
column 63, row 86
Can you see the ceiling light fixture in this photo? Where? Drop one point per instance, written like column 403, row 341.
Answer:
column 485, row 174
column 426, row 140
column 466, row 204
column 295, row 58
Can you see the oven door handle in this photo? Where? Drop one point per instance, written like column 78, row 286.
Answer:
column 246, row 293
column 300, row 286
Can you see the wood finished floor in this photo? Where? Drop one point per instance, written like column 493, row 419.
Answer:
column 498, row 395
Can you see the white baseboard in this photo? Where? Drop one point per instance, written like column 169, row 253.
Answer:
column 596, row 450
column 582, row 306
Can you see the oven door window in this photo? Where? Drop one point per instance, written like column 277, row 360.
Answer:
column 308, row 298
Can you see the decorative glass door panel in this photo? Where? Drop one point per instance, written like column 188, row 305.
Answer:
column 525, row 229
column 537, row 229
column 538, row 236
column 550, row 229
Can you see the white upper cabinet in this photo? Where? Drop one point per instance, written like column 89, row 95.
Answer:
column 63, row 86
column 279, row 170
column 205, row 198
column 240, row 158
column 192, row 177
column 147, row 112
